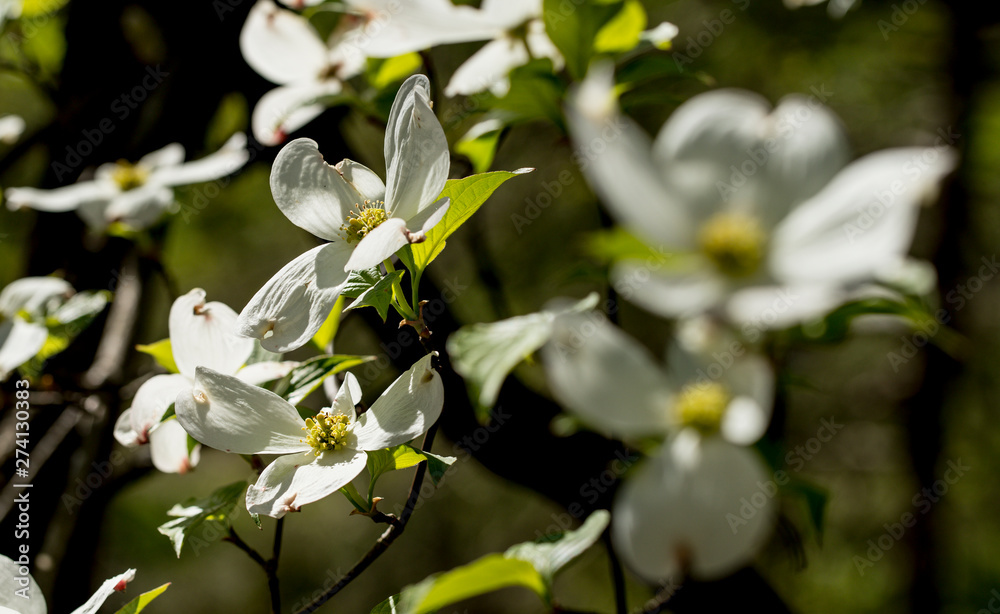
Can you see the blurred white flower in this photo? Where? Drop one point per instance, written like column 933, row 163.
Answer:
column 661, row 36
column 284, row 48
column 321, row 454
column 135, row 195
column 364, row 220
column 672, row 516
column 24, row 304
column 33, row 602
column 836, row 8
column 11, row 126
column 775, row 228
column 712, row 384
column 201, row 334
column 516, row 34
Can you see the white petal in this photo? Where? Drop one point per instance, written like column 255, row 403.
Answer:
column 171, row 155
column 19, row 342
column 9, row 574
column 541, row 45
column 487, row 68
column 394, row 28
column 606, row 377
column 363, row 179
column 107, row 588
column 407, row 408
column 751, row 382
column 314, row 195
column 66, row 198
column 427, row 219
column 720, row 123
column 294, row 480
column 347, row 397
column 261, row 372
column 168, row 447
column 287, row 108
column 125, row 433
column 615, row 156
column 204, row 334
column 378, row 245
column 11, row 126
column 230, row 415
column 416, row 151
column 671, row 293
column 151, row 401
column 508, row 14
column 862, row 220
column 687, row 503
column 281, row 45
column 33, row 294
column 763, row 308
column 292, row 305
column 229, row 159
column 139, row 208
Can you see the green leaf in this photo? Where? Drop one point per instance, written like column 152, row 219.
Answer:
column 624, row 31
column 303, row 379
column 815, row 498
column 194, row 517
column 360, row 281
column 479, row 144
column 35, row 8
column 615, row 244
column 535, row 93
column 324, row 336
column 139, row 603
column 379, row 295
column 162, row 353
column 484, row 354
column 231, row 117
column 383, row 73
column 551, row 554
column 403, row 457
column 573, row 29
column 487, row 574
column 466, row 195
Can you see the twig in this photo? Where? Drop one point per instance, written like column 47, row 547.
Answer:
column 385, row 540
column 617, row 575
column 272, row 569
column 237, row 541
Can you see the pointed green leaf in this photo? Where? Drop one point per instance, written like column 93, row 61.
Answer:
column 573, row 29
column 139, row 603
column 161, row 353
column 305, row 378
column 551, row 553
column 484, row 354
column 360, row 281
column 379, row 295
column 466, row 195
column 324, row 336
column 402, row 457
column 195, row 516
column 383, row 73
column 624, row 31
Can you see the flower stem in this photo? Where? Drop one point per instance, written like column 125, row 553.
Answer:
column 398, row 296
column 617, row 576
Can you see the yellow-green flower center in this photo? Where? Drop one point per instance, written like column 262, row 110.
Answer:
column 734, row 242
column 364, row 219
column 326, row 432
column 129, row 176
column 701, row 406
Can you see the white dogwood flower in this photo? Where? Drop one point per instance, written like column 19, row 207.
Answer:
column 24, row 305
column 516, row 35
column 283, row 47
column 687, row 511
column 137, row 194
column 201, row 334
column 320, row 454
column 775, row 228
column 364, row 220
column 33, row 602
column 11, row 126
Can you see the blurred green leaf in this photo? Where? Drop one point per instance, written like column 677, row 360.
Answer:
column 46, row 45
column 305, row 378
column 614, row 244
column 231, row 117
column 551, row 553
column 815, row 498
column 573, row 29
column 324, row 336
column 194, row 514
column 35, row 8
column 378, row 295
column 162, row 352
column 139, row 603
column 484, row 354
column 535, row 93
column 466, row 195
column 624, row 31
column 479, row 145
column 384, row 72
